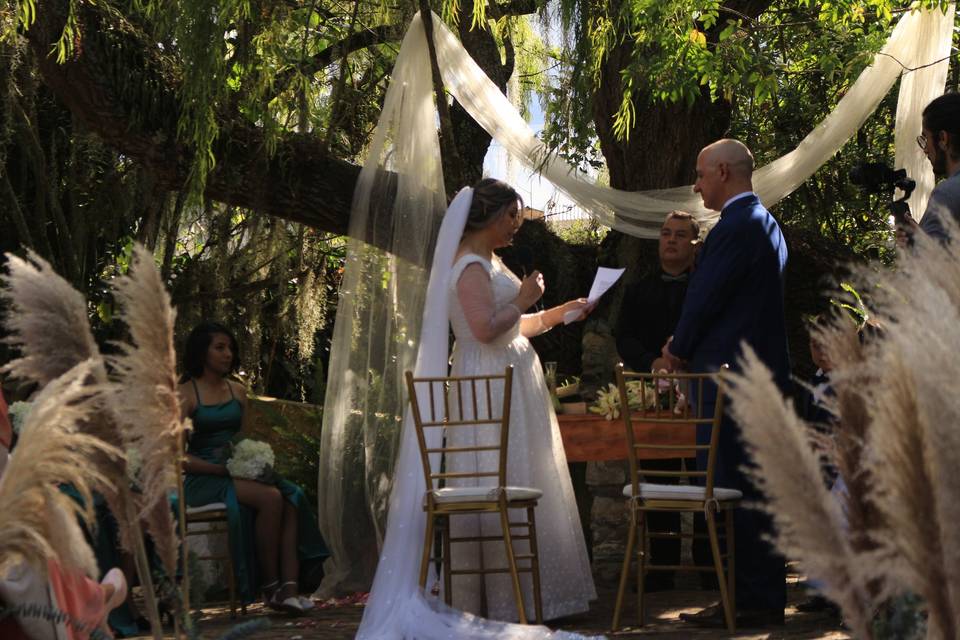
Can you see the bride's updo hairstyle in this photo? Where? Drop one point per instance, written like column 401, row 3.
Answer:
column 491, row 198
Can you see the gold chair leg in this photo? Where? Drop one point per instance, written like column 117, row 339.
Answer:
column 427, row 547
column 535, row 564
column 731, row 564
column 512, row 563
column 642, row 554
column 718, row 567
column 625, row 570
column 446, row 562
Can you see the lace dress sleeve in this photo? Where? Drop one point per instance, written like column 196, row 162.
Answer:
column 475, row 294
column 532, row 324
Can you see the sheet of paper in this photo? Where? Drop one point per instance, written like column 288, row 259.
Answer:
column 604, row 279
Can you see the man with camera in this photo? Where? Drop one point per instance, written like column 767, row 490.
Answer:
column 940, row 141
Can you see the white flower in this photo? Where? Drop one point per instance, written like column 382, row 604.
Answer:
column 607, row 403
column 250, row 459
column 639, row 398
column 18, row 412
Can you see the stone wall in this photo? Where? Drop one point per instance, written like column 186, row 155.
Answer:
column 608, row 518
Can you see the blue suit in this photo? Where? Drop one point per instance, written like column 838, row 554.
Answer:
column 736, row 295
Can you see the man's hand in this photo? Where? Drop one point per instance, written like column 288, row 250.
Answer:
column 906, row 227
column 660, row 364
column 673, row 362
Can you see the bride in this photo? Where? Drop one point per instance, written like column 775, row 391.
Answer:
column 470, row 289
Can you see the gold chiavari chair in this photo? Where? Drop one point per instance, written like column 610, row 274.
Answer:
column 677, row 401
column 213, row 517
column 440, row 406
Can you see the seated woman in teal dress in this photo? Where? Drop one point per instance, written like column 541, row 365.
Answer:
column 272, row 528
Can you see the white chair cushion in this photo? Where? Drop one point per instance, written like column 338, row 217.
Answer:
column 650, row 491
column 213, row 506
column 484, row 494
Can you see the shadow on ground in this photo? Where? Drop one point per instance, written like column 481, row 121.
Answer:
column 340, row 623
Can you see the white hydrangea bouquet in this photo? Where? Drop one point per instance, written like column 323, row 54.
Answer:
column 251, row 460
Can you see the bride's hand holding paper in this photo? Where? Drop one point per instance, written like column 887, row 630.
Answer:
column 604, row 279
column 577, row 309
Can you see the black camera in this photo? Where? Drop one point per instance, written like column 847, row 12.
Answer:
column 876, row 177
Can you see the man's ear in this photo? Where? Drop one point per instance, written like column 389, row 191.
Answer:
column 943, row 140
column 723, row 169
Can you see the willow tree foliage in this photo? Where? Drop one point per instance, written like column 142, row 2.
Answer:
column 765, row 71
column 80, row 202
column 180, row 124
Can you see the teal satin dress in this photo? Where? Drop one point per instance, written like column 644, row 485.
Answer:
column 214, row 427
column 104, row 539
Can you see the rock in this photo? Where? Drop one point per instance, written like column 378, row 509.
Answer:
column 607, row 473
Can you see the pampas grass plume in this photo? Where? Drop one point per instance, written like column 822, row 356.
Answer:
column 47, row 321
column 146, row 398
column 809, row 521
column 38, row 521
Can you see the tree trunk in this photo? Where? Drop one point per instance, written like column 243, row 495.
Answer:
column 472, row 140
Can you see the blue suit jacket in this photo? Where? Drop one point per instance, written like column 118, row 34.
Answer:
column 736, row 294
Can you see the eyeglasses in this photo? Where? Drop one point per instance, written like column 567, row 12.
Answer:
column 922, row 141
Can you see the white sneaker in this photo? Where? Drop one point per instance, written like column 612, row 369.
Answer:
column 289, row 605
column 306, row 603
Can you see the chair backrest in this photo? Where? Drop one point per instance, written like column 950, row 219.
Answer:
column 675, row 400
column 458, row 421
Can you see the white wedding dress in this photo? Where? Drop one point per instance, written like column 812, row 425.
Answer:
column 535, row 459
column 398, row 609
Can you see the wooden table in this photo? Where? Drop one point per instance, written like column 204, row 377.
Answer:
column 592, row 437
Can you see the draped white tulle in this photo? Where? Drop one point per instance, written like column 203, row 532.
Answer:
column 398, row 206
column 919, row 38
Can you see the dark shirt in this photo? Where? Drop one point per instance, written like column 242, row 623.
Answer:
column 648, row 316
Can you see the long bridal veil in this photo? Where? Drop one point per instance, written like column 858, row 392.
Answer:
column 397, row 608
column 391, row 322
column 398, row 205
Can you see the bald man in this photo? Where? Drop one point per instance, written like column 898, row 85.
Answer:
column 736, row 295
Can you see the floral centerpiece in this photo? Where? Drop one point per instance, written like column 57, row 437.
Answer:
column 607, row 403
column 251, row 460
column 641, row 396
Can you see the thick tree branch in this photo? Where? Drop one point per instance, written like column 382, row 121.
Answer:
column 497, row 10
column 126, row 92
column 350, row 44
